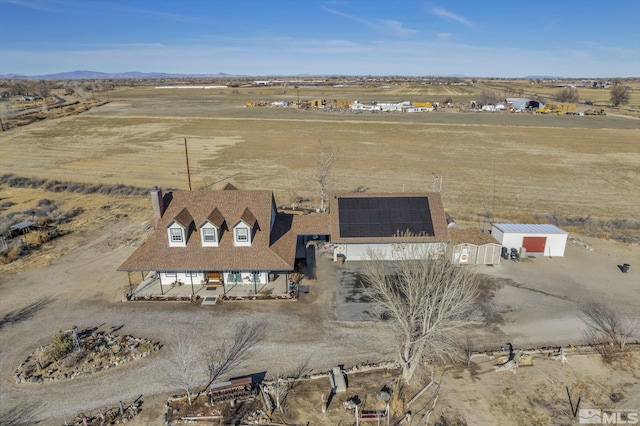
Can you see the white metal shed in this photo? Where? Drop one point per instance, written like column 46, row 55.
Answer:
column 537, row 239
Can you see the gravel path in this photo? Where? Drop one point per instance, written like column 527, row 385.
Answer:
column 82, row 288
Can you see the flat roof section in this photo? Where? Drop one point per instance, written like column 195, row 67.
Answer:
column 529, row 228
column 384, row 216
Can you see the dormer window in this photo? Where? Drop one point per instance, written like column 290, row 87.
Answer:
column 180, row 229
column 176, row 235
column 209, row 235
column 242, row 234
column 212, row 229
column 245, row 226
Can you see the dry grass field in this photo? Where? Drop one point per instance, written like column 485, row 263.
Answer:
column 509, row 166
column 512, row 166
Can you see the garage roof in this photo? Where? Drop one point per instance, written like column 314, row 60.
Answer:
column 529, row 228
column 382, row 218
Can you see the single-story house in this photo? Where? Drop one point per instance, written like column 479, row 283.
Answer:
column 531, row 239
column 473, row 246
column 391, row 225
column 221, row 238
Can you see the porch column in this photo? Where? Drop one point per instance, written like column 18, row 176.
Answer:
column 224, row 283
column 191, row 278
column 130, row 286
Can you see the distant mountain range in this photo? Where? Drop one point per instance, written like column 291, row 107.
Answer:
column 95, row 75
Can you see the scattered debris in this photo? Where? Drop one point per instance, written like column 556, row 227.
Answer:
column 109, row 416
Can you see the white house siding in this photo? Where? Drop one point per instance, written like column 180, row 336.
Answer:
column 246, row 277
column 168, row 277
column 387, row 251
column 513, row 235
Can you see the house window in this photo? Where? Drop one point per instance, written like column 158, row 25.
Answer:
column 191, row 274
column 255, row 276
column 242, row 235
column 209, row 235
column 176, row 235
column 234, row 276
column 171, row 274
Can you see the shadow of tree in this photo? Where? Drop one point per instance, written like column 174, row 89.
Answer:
column 19, row 415
column 24, row 313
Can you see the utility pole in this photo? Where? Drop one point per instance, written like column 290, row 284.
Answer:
column 186, row 154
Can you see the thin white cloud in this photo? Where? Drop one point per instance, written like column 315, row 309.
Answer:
column 397, row 27
column 443, row 13
column 385, row 26
column 632, row 53
column 29, row 4
column 444, row 36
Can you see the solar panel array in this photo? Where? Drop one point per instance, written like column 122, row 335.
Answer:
column 380, row 217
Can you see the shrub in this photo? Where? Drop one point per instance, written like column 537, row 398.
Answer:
column 60, row 347
column 45, row 211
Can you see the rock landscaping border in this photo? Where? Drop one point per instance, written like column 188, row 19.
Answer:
column 95, row 352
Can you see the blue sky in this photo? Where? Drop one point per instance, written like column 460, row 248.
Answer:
column 488, row 38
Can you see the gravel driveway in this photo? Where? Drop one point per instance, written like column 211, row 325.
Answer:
column 82, row 288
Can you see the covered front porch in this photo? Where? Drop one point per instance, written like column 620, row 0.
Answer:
column 152, row 288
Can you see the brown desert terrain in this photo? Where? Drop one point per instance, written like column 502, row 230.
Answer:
column 493, row 166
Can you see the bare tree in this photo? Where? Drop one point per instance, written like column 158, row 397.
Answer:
column 567, row 94
column 488, row 98
column 607, row 330
column 232, row 353
column 186, row 369
column 620, row 94
column 427, row 301
column 282, row 386
column 326, row 156
column 192, row 366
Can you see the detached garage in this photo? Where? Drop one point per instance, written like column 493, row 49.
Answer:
column 536, row 239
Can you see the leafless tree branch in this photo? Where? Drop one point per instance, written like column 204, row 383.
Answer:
column 427, row 301
column 607, row 330
column 191, row 366
column 231, row 354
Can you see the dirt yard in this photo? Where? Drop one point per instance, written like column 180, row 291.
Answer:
column 73, row 282
column 518, row 169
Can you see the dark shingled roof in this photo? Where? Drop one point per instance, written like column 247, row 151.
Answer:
column 370, row 218
column 268, row 251
column 229, row 187
column 248, row 218
column 216, row 218
column 184, row 218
